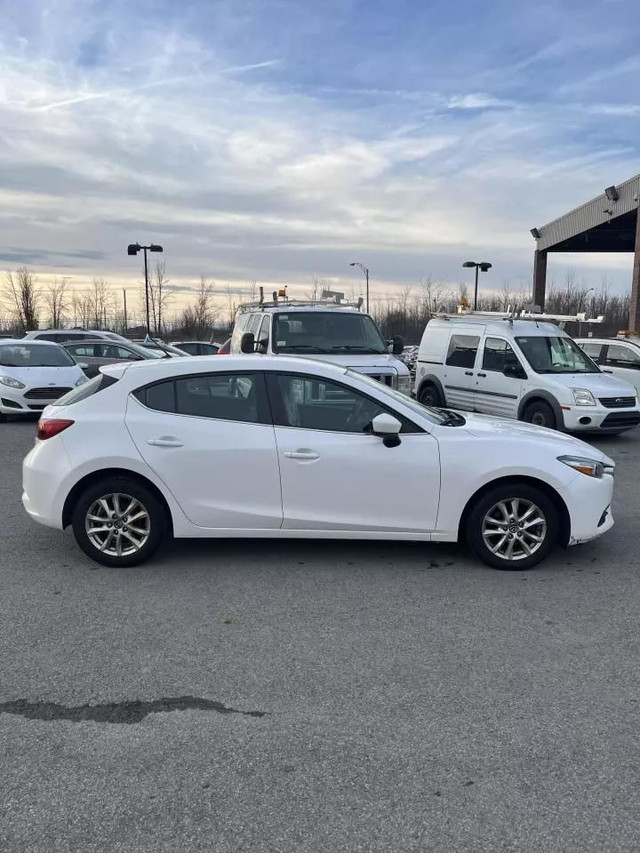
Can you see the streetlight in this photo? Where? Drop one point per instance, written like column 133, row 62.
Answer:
column 479, row 265
column 583, row 298
column 133, row 249
column 365, row 270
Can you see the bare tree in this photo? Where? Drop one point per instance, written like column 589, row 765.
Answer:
column 21, row 298
column 100, row 302
column 56, row 301
column 197, row 320
column 160, row 295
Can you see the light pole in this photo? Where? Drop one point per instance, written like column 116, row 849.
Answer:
column 365, row 270
column 133, row 249
column 479, row 265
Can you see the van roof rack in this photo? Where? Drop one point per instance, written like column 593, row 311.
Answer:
column 298, row 303
column 523, row 314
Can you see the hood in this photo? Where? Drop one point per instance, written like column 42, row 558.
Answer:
column 600, row 384
column 486, row 426
column 42, row 377
column 362, row 363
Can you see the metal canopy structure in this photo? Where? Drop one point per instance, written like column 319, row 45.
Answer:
column 608, row 223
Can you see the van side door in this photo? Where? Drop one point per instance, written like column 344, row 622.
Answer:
column 459, row 370
column 500, row 377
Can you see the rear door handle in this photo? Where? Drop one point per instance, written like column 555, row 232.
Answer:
column 301, row 454
column 468, row 373
column 484, row 375
column 165, row 441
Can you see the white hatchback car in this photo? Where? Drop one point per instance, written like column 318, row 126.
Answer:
column 289, row 447
column 34, row 374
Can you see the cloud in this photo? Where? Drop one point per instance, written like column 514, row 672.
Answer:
column 477, row 101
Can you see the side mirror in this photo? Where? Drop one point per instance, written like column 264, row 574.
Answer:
column 514, row 371
column 388, row 428
column 248, row 343
column 397, row 345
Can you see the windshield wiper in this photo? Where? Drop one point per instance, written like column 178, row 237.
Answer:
column 451, row 418
column 305, row 347
column 358, row 348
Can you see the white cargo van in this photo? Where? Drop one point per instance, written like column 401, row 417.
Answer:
column 321, row 330
column 520, row 368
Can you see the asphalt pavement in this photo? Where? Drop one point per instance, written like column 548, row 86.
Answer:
column 318, row 696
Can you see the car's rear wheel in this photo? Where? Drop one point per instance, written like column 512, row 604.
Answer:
column 541, row 414
column 119, row 522
column 513, row 526
column 430, row 396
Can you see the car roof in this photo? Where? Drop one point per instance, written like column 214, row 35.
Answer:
column 208, row 343
column 141, row 372
column 633, row 341
column 31, row 341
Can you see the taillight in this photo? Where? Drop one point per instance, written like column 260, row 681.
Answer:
column 52, row 426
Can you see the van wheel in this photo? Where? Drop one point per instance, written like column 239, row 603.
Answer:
column 118, row 522
column 513, row 526
column 430, row 396
column 540, row 414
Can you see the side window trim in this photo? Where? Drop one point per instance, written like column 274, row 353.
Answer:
column 279, row 414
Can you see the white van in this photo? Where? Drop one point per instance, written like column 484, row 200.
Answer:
column 322, row 330
column 524, row 369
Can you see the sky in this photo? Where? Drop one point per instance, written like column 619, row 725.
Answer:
column 277, row 140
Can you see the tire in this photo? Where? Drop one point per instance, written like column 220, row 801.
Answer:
column 485, row 526
column 430, row 396
column 541, row 414
column 99, row 503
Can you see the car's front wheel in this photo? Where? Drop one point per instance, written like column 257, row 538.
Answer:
column 119, row 522
column 513, row 526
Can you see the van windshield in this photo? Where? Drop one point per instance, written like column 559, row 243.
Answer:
column 555, row 355
column 327, row 332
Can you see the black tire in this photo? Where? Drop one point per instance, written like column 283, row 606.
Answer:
column 430, row 396
column 156, row 525
column 484, row 509
column 541, row 414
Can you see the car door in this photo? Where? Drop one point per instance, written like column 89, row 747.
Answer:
column 86, row 354
column 459, row 380
column 210, row 438
column 498, row 393
column 623, row 360
column 337, row 476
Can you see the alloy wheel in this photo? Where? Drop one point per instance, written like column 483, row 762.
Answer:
column 514, row 529
column 117, row 524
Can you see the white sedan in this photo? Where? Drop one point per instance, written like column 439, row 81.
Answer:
column 34, row 374
column 291, row 447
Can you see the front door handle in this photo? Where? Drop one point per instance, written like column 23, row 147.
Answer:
column 301, row 454
column 468, row 373
column 165, row 441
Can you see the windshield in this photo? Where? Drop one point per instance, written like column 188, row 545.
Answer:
column 555, row 355
column 434, row 415
column 34, row 355
column 327, row 332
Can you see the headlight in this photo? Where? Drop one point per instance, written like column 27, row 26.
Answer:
column 82, row 380
column 590, row 467
column 404, row 384
column 11, row 382
column 582, row 397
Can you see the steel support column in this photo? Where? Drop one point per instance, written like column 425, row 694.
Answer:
column 539, row 277
column 634, row 307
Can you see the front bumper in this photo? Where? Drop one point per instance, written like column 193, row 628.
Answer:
column 16, row 401
column 589, row 504
column 599, row 418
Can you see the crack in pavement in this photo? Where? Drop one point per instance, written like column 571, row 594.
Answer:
column 116, row 712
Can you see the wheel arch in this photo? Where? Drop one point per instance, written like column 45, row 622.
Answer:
column 545, row 397
column 430, row 379
column 102, row 474
column 561, row 507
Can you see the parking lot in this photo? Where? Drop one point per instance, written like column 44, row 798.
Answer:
column 330, row 696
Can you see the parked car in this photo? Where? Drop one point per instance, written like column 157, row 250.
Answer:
column 523, row 369
column 331, row 332
column 34, row 374
column 97, row 354
column 304, row 449
column 61, row 336
column 155, row 345
column 197, row 347
column 618, row 356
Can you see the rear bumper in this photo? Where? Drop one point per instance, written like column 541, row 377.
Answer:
column 44, row 474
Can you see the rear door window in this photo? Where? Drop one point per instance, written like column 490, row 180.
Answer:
column 462, row 350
